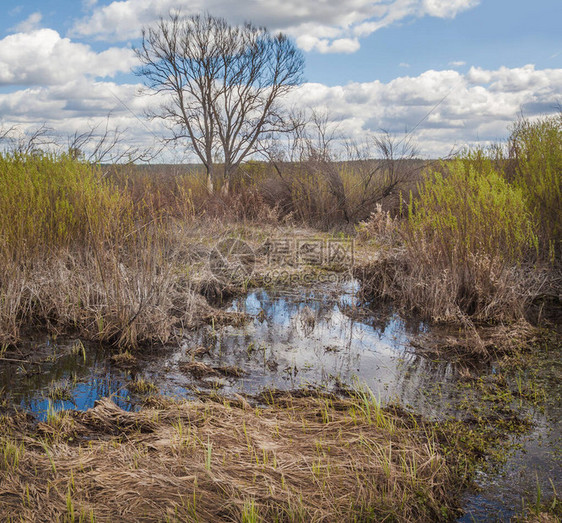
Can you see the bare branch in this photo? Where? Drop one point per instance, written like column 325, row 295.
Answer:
column 103, row 144
column 35, row 141
column 223, row 84
column 5, row 133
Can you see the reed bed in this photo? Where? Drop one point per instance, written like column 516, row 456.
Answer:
column 78, row 255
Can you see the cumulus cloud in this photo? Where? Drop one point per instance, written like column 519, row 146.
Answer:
column 446, row 107
column 324, row 45
column 30, row 23
column 333, row 26
column 517, row 80
column 446, row 8
column 82, row 105
column 43, row 57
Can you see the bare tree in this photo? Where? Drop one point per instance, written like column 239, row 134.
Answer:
column 5, row 133
column 103, row 144
column 31, row 141
column 224, row 83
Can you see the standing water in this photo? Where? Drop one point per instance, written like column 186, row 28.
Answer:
column 312, row 337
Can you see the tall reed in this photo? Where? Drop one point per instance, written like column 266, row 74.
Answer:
column 78, row 254
column 50, row 202
column 466, row 231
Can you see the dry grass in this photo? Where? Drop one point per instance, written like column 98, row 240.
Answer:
column 484, row 341
column 124, row 297
column 440, row 294
column 300, row 459
column 146, row 289
column 503, row 321
column 124, row 360
column 201, row 370
column 79, row 255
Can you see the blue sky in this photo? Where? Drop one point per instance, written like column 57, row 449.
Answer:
column 495, row 33
column 371, row 64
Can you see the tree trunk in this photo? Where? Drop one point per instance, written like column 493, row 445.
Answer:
column 226, row 187
column 210, row 187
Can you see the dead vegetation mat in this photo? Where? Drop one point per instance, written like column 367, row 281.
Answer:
column 296, row 459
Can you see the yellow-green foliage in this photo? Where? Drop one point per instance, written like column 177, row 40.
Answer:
column 471, row 211
column 48, row 202
column 536, row 149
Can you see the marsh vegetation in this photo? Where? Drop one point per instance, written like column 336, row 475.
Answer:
column 467, row 249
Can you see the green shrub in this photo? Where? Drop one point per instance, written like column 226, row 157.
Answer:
column 535, row 153
column 472, row 211
column 49, row 202
column 465, row 232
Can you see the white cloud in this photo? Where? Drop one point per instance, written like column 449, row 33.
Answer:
column 329, row 26
column 403, row 64
column 516, row 80
column 447, row 8
column 29, row 24
column 43, row 57
column 15, row 10
column 457, row 63
column 324, row 45
column 81, row 105
column 451, row 108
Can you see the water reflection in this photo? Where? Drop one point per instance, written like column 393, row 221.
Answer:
column 85, row 377
column 293, row 339
column 313, row 337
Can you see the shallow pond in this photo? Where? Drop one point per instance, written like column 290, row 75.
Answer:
column 318, row 337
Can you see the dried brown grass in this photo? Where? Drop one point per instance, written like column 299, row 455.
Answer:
column 301, row 459
column 126, row 296
column 499, row 320
column 484, row 341
column 439, row 294
column 200, row 370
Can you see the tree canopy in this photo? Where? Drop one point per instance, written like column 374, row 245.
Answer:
column 224, row 81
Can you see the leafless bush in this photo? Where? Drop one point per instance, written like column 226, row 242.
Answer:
column 35, row 140
column 325, row 183
column 5, row 132
column 98, row 143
